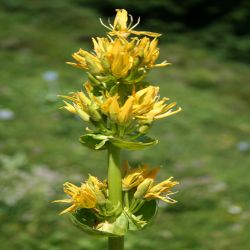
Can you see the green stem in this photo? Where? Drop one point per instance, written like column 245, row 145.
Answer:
column 126, row 199
column 114, row 175
column 115, row 190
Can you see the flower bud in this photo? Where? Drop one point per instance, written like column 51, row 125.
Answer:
column 92, row 79
column 85, row 100
column 94, row 114
column 94, row 65
column 113, row 108
column 104, row 62
column 143, row 188
column 82, row 114
column 144, row 128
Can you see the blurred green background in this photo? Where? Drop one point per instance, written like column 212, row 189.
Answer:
column 206, row 147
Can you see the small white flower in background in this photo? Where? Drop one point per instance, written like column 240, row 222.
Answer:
column 243, row 146
column 233, row 209
column 50, row 76
column 6, row 114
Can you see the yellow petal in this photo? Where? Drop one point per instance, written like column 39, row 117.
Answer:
column 63, row 201
column 125, row 113
column 121, row 19
column 69, row 209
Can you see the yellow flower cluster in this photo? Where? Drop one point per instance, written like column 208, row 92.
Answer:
column 141, row 107
column 84, row 106
column 117, row 101
column 93, row 194
column 120, row 105
column 119, row 59
column 142, row 179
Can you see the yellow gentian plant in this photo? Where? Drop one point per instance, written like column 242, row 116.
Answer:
column 118, row 106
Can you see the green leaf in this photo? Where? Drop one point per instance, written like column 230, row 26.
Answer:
column 85, row 220
column 99, row 142
column 117, row 228
column 148, row 211
column 94, row 141
column 140, row 143
column 121, row 225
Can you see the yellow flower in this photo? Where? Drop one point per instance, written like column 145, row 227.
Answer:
column 120, row 114
column 96, row 184
column 99, row 188
column 142, row 178
column 80, row 197
column 119, row 59
column 161, row 191
column 145, row 99
column 121, row 28
column 149, row 52
column 85, row 107
column 113, row 57
column 147, row 106
column 135, row 176
column 87, row 61
column 125, row 115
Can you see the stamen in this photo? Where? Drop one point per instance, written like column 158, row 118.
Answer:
column 104, row 24
column 156, row 98
column 131, row 21
column 110, row 38
column 110, row 23
column 138, row 21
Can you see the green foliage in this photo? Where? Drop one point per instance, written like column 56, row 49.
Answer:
column 206, row 147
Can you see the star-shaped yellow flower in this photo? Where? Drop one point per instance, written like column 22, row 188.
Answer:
column 148, row 106
column 135, row 176
column 80, row 197
column 161, row 191
column 122, row 29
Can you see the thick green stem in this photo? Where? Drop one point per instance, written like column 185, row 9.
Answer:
column 115, row 190
column 114, row 175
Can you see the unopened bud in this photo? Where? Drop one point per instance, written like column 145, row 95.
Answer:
column 82, row 114
column 92, row 79
column 94, row 114
column 94, row 65
column 143, row 188
column 105, row 63
column 144, row 128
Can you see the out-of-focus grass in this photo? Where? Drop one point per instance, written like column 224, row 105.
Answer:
column 206, row 147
